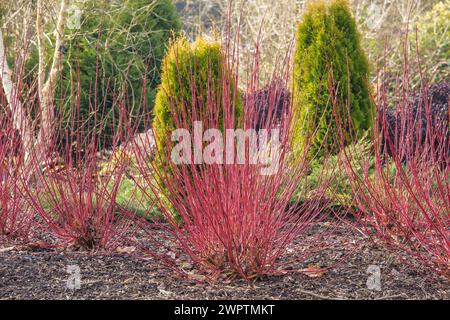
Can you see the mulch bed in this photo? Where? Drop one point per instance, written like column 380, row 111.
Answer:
column 42, row 274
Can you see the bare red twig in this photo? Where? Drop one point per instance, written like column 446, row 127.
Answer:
column 401, row 186
column 229, row 217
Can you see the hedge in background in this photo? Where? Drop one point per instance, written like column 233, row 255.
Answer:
column 328, row 44
column 127, row 40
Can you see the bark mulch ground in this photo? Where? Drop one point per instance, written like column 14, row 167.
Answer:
column 43, row 274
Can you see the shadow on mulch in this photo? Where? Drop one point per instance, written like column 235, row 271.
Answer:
column 43, row 274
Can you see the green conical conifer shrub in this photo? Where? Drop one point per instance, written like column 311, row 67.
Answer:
column 328, row 53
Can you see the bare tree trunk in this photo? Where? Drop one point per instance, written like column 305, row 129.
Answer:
column 36, row 145
column 46, row 86
column 20, row 120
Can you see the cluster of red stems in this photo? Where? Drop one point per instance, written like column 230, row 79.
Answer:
column 227, row 218
column 401, row 182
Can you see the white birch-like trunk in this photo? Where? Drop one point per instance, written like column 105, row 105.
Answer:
column 20, row 120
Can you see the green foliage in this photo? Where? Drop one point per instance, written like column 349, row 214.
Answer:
column 339, row 188
column 328, row 45
column 132, row 198
column 126, row 41
column 187, row 66
column 361, row 156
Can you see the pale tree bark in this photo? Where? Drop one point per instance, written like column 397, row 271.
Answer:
column 46, row 86
column 31, row 143
column 20, row 120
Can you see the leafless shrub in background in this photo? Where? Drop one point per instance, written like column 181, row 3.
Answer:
column 380, row 22
column 274, row 21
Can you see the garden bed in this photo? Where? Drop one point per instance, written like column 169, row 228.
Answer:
column 27, row 273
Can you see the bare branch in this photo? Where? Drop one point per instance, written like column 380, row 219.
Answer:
column 46, row 89
column 20, row 120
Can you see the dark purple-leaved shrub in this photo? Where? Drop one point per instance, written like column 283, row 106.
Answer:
column 260, row 100
column 400, row 185
column 413, row 113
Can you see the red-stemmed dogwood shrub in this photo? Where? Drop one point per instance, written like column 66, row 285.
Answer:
column 15, row 218
column 401, row 184
column 74, row 186
column 226, row 200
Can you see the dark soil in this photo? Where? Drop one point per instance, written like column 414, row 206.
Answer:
column 42, row 274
